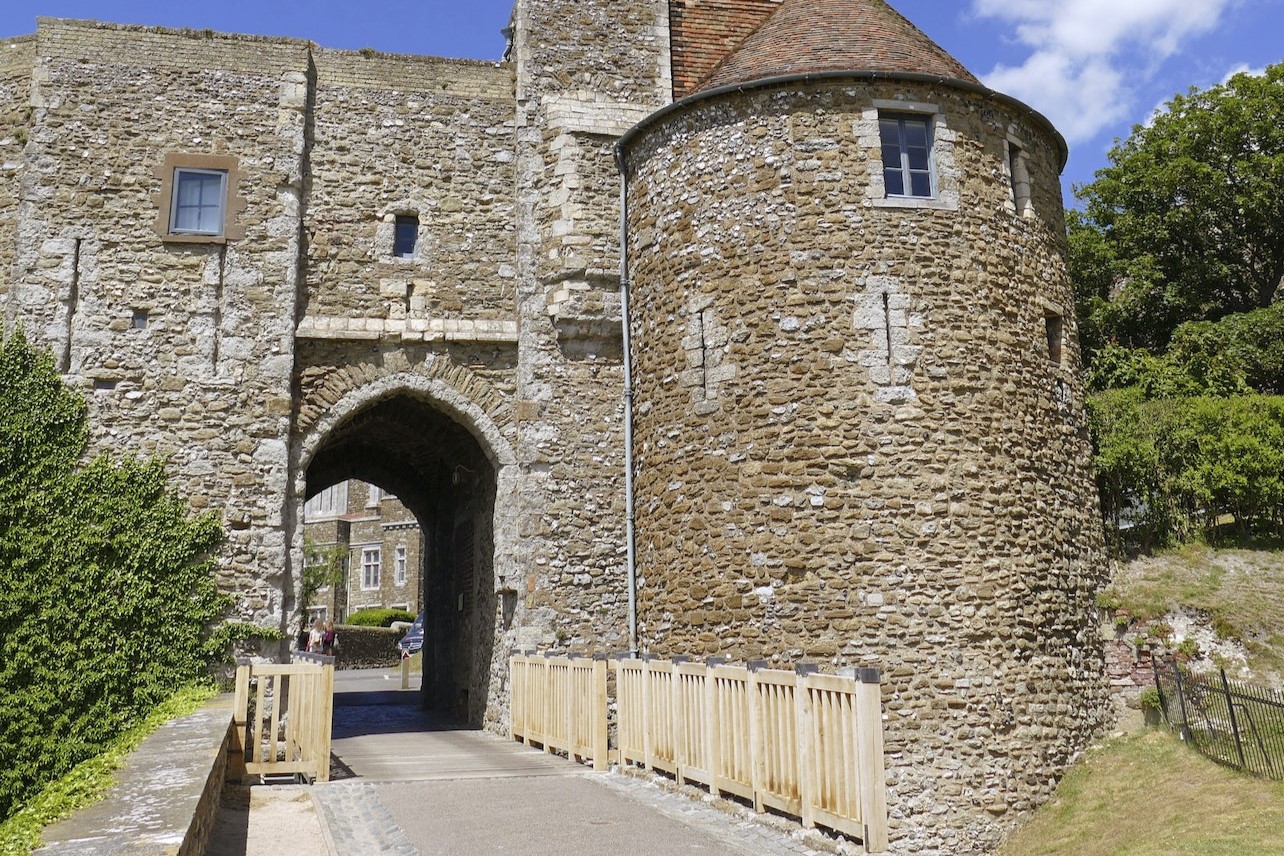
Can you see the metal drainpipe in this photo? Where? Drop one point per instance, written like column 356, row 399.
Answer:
column 629, row 532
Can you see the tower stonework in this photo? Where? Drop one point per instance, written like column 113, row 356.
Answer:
column 859, row 428
column 859, row 435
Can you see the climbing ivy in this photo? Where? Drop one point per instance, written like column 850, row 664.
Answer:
column 107, row 593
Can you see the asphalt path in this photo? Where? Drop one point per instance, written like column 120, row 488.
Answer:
column 411, row 786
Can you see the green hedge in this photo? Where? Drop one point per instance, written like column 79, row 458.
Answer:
column 366, row 647
column 378, row 617
column 107, row 582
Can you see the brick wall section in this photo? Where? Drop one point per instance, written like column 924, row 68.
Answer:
column 206, row 381
column 807, row 493
column 835, row 35
column 16, row 59
column 706, row 31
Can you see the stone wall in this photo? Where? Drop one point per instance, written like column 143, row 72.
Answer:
column 854, row 444
column 585, row 73
column 16, row 59
column 183, row 349
column 411, row 135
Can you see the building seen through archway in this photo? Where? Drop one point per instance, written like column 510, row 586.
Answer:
column 414, row 494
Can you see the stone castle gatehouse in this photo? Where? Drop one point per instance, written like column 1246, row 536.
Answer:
column 784, row 263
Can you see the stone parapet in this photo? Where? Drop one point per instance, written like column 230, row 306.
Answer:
column 165, row 798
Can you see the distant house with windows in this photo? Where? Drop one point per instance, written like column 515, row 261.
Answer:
column 383, row 545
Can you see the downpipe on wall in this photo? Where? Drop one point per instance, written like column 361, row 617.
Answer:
column 629, row 532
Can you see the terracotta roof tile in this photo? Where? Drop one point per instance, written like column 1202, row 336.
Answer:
column 808, row 36
column 703, row 32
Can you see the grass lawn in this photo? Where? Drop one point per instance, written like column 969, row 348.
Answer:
column 1149, row 795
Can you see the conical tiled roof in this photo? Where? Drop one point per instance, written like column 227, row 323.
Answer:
column 811, row 36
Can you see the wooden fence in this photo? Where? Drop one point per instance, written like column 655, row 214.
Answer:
column 802, row 743
column 560, row 703
column 282, row 718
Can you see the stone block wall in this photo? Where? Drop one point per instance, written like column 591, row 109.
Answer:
column 16, row 59
column 183, row 349
column 411, row 136
column 854, row 443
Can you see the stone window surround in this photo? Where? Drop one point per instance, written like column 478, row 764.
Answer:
column 386, row 233
column 234, row 205
column 1017, row 172
column 945, row 170
column 371, row 568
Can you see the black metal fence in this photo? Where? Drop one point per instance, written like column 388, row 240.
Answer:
column 1237, row 724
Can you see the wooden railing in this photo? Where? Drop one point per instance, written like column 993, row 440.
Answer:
column 799, row 742
column 560, row 704
column 282, row 718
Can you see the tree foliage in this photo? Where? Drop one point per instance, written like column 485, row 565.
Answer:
column 108, row 586
column 1187, row 222
column 1171, row 469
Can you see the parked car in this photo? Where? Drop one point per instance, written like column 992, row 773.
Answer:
column 413, row 641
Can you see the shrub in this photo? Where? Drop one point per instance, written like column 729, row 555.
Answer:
column 106, row 543
column 367, row 647
column 378, row 617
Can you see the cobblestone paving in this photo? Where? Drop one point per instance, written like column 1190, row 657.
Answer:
column 357, row 823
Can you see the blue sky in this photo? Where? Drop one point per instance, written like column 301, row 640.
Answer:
column 1095, row 67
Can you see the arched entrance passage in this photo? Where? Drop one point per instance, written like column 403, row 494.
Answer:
column 410, row 443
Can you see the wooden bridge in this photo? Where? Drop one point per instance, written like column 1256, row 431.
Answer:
column 796, row 743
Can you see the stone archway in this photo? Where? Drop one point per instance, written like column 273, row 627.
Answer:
column 451, row 466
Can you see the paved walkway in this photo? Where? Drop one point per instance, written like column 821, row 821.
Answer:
column 405, row 789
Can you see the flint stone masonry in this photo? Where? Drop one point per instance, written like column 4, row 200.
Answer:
column 853, row 444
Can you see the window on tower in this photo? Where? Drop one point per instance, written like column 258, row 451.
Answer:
column 907, row 155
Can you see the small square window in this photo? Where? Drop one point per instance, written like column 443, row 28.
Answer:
column 406, row 236
column 907, row 155
column 200, row 202
column 138, row 319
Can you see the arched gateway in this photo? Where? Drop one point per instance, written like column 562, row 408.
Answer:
column 447, row 461
column 860, row 435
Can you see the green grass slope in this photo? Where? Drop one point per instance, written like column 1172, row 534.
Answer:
column 1149, row 795
column 1242, row 591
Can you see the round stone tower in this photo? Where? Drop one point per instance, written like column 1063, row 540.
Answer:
column 859, row 425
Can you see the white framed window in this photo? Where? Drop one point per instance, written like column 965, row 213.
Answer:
column 199, row 203
column 399, row 563
column 907, row 155
column 374, row 497
column 1019, row 178
column 371, row 561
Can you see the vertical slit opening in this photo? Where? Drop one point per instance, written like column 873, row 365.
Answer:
column 218, row 304
column 887, row 323
column 73, row 303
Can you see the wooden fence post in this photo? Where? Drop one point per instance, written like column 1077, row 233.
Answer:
column 870, row 764
column 806, row 751
column 712, row 733
column 598, row 714
column 757, row 747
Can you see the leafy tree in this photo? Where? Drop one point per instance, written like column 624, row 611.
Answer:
column 108, row 588
column 323, row 566
column 1187, row 223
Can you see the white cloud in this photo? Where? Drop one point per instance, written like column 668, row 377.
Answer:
column 1088, row 56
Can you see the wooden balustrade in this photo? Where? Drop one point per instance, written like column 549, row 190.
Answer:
column 560, row 704
column 282, row 718
column 801, row 743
